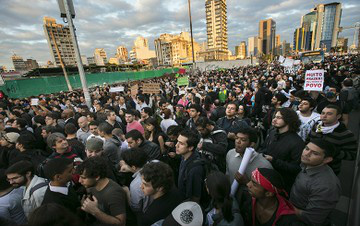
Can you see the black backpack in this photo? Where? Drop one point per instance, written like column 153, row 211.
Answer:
column 208, row 167
column 267, row 97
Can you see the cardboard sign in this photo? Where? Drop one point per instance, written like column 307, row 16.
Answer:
column 34, row 102
column 151, row 88
column 183, row 81
column 116, row 89
column 134, row 89
column 314, row 80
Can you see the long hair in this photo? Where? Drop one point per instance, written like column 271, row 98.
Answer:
column 290, row 118
column 219, row 188
column 152, row 121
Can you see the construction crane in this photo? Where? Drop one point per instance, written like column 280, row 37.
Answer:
column 356, row 26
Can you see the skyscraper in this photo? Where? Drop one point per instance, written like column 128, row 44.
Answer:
column 308, row 22
column 241, row 50
column 299, row 39
column 267, row 29
column 216, row 24
column 328, row 17
column 59, row 41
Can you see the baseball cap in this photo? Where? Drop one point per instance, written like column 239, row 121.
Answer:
column 185, row 214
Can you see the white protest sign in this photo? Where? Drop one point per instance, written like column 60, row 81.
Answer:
column 34, row 102
column 314, row 80
column 281, row 59
column 288, row 62
column 297, row 62
column 116, row 89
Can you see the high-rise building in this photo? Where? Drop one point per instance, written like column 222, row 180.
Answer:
column 59, row 41
column 253, row 46
column 100, row 57
column 31, row 64
column 175, row 49
column 241, row 50
column 299, row 39
column 267, row 29
column 141, row 49
column 328, row 17
column 122, row 53
column 216, row 24
column 308, row 23
column 216, row 27
column 19, row 63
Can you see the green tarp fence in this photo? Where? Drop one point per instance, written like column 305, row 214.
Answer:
column 45, row 85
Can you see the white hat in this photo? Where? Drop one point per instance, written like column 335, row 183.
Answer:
column 185, row 214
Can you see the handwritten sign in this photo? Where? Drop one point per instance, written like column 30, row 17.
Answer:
column 314, row 80
column 183, row 81
column 151, row 88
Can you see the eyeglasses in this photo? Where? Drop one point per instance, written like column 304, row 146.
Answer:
column 13, row 179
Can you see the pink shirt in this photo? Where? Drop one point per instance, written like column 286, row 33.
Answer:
column 135, row 125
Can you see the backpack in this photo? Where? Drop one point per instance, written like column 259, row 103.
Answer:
column 38, row 186
column 208, row 167
column 267, row 97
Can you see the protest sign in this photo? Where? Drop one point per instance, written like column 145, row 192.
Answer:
column 314, row 80
column 116, row 89
column 34, row 102
column 288, row 62
column 281, row 59
column 151, row 88
column 183, row 81
column 134, row 89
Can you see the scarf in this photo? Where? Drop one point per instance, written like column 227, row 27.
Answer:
column 326, row 129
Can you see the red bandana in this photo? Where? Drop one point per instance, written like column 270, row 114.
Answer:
column 265, row 183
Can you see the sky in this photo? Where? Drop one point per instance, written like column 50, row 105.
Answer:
column 110, row 23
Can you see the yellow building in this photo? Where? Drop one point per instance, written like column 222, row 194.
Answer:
column 173, row 50
column 60, row 43
column 267, row 29
column 122, row 53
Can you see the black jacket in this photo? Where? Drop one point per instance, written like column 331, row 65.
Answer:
column 151, row 149
column 286, row 150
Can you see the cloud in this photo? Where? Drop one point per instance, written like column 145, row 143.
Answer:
column 110, row 23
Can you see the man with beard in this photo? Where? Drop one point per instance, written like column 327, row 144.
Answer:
column 213, row 144
column 106, row 200
column 283, row 146
column 23, row 174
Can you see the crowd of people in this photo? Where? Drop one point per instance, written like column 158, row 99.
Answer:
column 166, row 159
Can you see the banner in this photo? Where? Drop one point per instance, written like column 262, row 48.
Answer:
column 314, row 80
column 151, row 88
column 34, row 102
column 288, row 62
column 183, row 81
column 116, row 89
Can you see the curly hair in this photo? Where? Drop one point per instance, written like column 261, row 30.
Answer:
column 159, row 174
column 93, row 167
column 290, row 118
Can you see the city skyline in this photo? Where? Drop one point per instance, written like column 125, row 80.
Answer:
column 114, row 22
